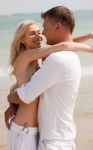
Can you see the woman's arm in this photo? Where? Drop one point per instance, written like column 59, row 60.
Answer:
column 30, row 55
column 83, row 38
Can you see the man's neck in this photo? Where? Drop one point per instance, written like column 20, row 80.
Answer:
column 68, row 38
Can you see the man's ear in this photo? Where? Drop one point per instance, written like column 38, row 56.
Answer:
column 59, row 26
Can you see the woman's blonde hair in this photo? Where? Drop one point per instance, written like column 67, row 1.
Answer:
column 17, row 46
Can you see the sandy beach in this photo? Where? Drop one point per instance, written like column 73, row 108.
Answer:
column 83, row 117
column 84, row 138
column 3, row 133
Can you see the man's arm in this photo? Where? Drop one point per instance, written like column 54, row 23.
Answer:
column 46, row 77
column 83, row 38
column 14, row 99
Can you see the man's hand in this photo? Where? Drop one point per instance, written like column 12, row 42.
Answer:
column 14, row 98
column 9, row 114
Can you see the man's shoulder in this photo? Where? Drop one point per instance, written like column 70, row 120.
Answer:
column 61, row 55
column 53, row 57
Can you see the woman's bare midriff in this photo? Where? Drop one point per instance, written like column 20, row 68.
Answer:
column 27, row 114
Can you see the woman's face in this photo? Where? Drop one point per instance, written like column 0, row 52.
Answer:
column 33, row 37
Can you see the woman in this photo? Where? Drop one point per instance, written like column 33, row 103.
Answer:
column 24, row 54
column 23, row 130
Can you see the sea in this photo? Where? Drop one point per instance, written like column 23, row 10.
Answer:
column 84, row 25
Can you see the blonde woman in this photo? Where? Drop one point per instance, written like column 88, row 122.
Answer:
column 23, row 131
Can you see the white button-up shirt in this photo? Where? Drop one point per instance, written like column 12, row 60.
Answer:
column 57, row 83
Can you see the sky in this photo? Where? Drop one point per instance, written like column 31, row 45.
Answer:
column 28, row 6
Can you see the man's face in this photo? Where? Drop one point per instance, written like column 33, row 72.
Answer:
column 49, row 31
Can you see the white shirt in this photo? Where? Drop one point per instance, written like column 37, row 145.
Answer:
column 57, row 81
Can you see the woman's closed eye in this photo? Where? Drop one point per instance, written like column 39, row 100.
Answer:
column 32, row 33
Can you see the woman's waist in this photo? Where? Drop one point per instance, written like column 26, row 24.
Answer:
column 26, row 115
column 23, row 129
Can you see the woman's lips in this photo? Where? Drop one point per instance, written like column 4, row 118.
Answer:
column 39, row 42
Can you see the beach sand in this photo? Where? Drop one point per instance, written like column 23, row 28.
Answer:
column 84, row 138
column 2, row 147
column 84, row 114
column 83, row 118
column 3, row 133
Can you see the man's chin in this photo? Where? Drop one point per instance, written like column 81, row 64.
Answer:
column 49, row 43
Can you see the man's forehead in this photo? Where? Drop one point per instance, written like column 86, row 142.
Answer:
column 46, row 21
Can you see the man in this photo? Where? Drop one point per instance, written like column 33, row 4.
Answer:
column 57, row 84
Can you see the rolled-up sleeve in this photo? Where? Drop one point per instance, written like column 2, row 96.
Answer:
column 46, row 77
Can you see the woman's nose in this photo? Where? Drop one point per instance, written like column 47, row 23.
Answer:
column 39, row 36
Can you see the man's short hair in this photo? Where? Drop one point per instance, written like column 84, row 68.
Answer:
column 61, row 14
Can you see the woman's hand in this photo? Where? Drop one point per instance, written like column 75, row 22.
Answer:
column 83, row 38
column 91, row 35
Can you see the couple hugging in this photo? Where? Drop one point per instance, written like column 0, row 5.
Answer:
column 47, row 81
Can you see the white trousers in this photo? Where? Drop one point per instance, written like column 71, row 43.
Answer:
column 22, row 138
column 56, row 145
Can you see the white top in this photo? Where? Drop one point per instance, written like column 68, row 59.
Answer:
column 57, row 81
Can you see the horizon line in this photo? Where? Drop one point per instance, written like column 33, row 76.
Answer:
column 38, row 12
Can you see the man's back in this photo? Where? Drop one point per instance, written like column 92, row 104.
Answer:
column 57, row 102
